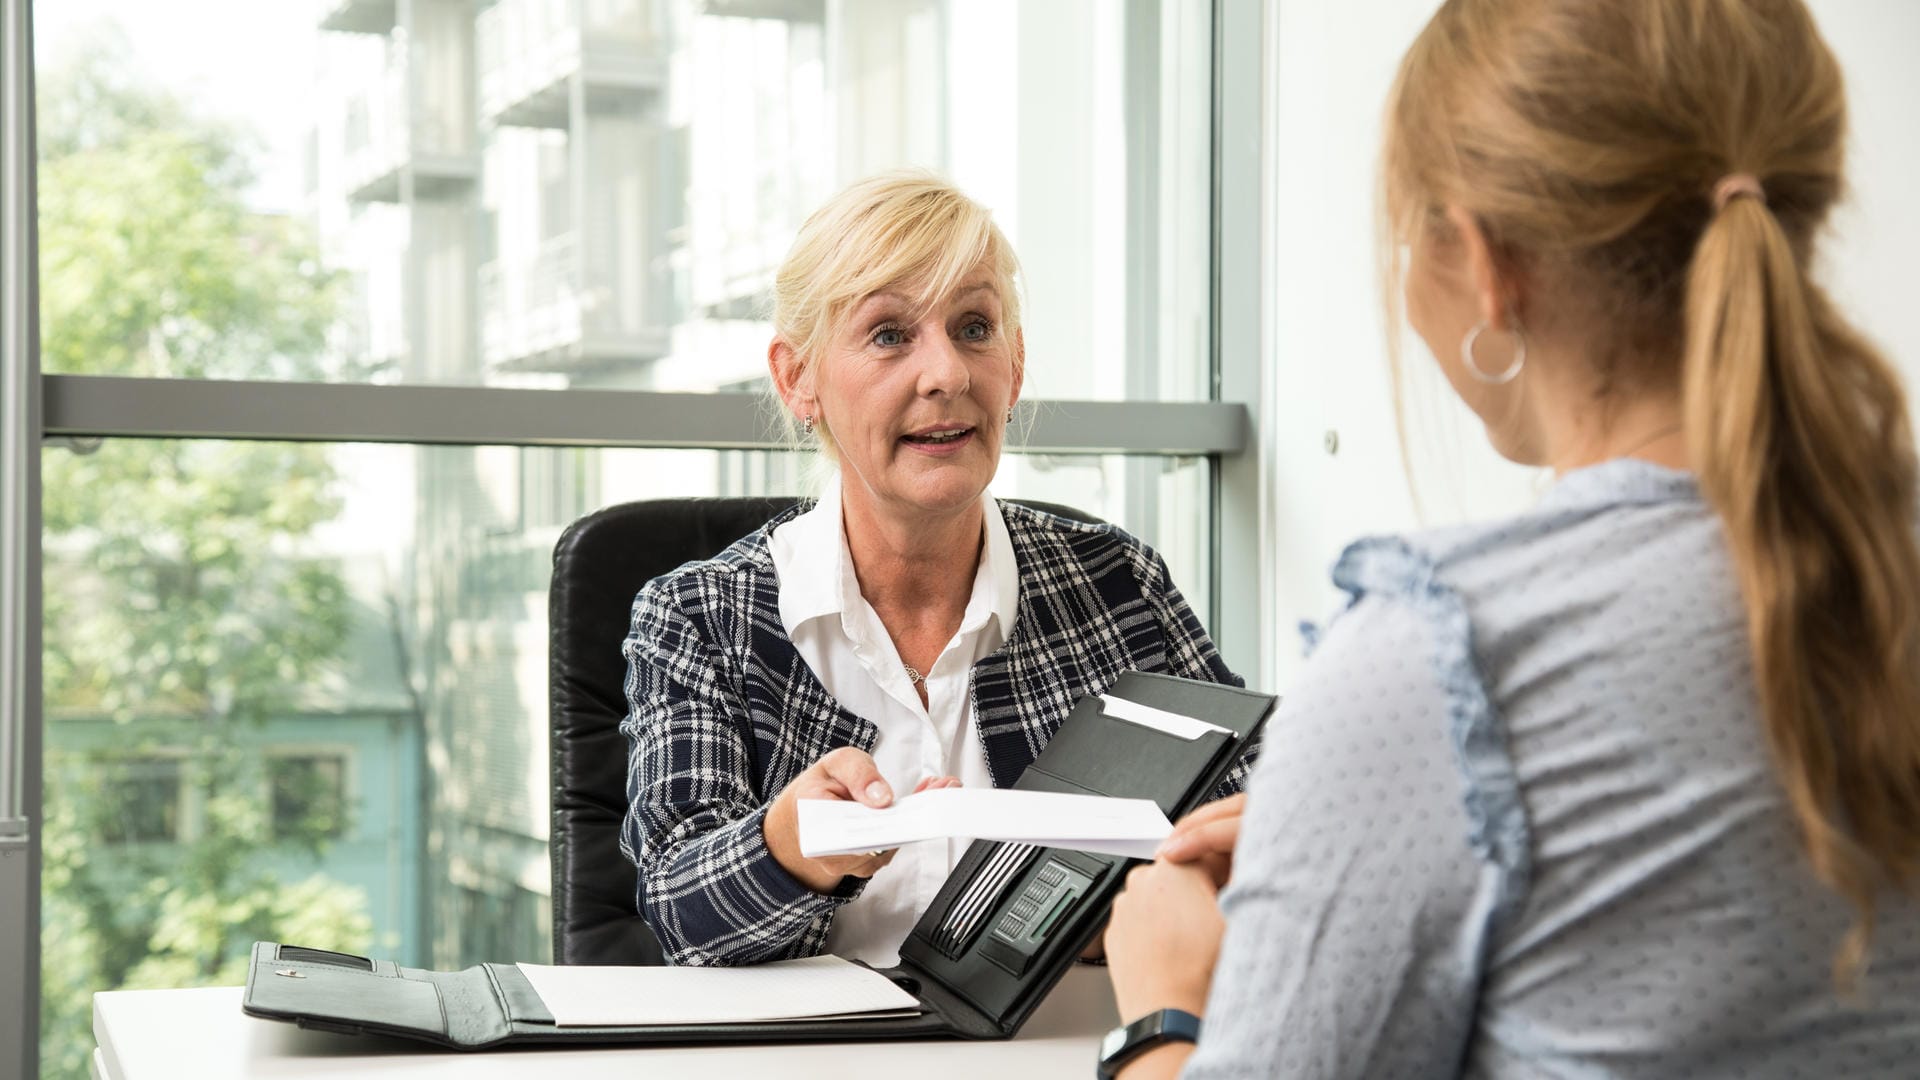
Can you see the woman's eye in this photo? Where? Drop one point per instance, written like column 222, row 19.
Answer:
column 976, row 331
column 887, row 337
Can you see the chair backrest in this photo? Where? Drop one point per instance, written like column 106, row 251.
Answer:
column 599, row 565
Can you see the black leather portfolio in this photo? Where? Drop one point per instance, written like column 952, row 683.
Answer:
column 1005, row 927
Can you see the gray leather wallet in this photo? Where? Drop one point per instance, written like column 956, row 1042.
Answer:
column 1001, row 932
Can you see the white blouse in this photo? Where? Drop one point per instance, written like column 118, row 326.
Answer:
column 840, row 637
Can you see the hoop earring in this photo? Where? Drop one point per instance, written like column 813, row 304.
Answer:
column 1511, row 372
column 806, row 425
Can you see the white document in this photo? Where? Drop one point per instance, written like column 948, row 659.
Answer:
column 1175, row 724
column 1129, row 827
column 817, row 988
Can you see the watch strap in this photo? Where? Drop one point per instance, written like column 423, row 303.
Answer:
column 1123, row 1044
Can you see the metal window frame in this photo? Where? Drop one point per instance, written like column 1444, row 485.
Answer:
column 36, row 408
column 1242, row 579
column 101, row 406
column 19, row 556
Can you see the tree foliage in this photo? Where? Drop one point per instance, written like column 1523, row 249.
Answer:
column 150, row 261
column 179, row 602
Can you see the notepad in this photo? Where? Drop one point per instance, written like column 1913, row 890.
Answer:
column 816, row 988
column 1132, row 828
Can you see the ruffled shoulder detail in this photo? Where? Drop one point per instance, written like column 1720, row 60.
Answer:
column 1499, row 833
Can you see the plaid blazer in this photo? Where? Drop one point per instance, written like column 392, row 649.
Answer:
column 723, row 712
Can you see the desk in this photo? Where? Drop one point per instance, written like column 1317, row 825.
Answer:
column 150, row 1034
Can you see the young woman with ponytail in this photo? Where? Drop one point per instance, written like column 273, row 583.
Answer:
column 1628, row 785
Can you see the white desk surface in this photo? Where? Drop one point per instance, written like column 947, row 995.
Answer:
column 150, row 1034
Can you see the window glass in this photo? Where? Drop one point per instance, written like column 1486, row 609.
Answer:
column 298, row 692
column 563, row 193
column 138, row 800
column 308, row 794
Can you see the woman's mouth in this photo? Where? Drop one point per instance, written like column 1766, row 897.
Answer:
column 943, row 439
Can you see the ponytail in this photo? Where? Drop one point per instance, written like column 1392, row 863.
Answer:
column 1799, row 434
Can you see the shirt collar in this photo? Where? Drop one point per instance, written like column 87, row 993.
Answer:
column 802, row 547
column 1621, row 480
column 818, row 539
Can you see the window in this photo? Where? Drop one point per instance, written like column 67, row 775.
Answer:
column 309, row 796
column 310, row 606
column 139, row 800
column 550, row 194
column 352, row 660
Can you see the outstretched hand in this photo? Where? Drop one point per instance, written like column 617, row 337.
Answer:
column 845, row 775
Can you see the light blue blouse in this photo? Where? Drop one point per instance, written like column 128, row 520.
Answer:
column 1516, row 819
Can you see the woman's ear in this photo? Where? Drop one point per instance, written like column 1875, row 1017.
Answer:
column 790, row 379
column 1496, row 291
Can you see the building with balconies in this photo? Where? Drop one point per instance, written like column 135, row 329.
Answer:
column 399, row 151
column 582, row 187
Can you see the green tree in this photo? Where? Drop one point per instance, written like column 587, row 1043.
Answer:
column 179, row 606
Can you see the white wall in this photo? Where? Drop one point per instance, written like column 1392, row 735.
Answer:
column 1869, row 265
column 1330, row 66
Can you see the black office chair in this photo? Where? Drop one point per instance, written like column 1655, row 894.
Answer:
column 599, row 564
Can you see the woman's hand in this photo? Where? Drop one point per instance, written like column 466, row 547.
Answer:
column 933, row 783
column 1206, row 838
column 845, row 775
column 1163, row 939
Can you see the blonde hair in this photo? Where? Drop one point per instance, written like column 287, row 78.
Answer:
column 909, row 231
column 1587, row 137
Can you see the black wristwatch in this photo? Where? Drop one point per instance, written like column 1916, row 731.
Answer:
column 1123, row 1044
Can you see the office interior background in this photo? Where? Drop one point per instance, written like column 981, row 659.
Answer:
column 344, row 309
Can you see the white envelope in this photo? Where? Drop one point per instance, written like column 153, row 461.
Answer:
column 1129, row 827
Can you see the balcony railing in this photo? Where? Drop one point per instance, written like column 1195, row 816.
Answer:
column 387, row 130
column 541, row 315
column 357, row 16
column 531, row 309
column 796, row 11
column 529, row 49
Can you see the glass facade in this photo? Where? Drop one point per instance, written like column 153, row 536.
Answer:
column 337, row 688
column 298, row 690
column 571, row 193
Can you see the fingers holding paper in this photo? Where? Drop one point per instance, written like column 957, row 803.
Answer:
column 845, row 775
column 872, row 861
column 1163, row 938
column 1206, row 838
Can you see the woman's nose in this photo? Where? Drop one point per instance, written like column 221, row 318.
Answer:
column 942, row 369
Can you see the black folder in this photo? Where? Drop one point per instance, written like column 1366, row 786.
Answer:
column 1001, row 932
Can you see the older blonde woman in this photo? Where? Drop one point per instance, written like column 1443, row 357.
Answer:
column 907, row 630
